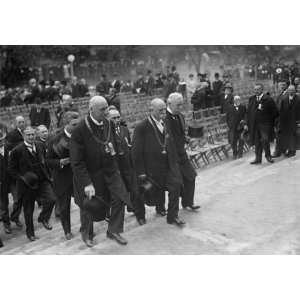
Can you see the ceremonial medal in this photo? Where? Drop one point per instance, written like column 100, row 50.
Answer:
column 106, row 149
column 111, row 149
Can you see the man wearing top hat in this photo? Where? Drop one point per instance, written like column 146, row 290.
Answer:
column 93, row 156
column 27, row 165
column 155, row 164
column 58, row 159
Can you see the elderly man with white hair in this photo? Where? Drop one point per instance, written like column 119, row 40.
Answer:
column 154, row 160
column 176, row 127
column 93, row 156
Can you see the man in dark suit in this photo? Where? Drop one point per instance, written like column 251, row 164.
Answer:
column 95, row 169
column 235, row 118
column 27, row 165
column 289, row 117
column 4, row 184
column 116, row 83
column 283, row 85
column 58, row 159
column 14, row 138
column 217, row 89
column 103, row 86
column 39, row 115
column 154, row 161
column 175, row 124
column 226, row 98
column 261, row 115
column 123, row 140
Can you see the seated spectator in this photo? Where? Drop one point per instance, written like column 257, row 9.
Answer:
column 149, row 83
column 116, row 83
column 75, row 88
column 83, row 88
column 113, row 99
column 103, row 86
column 33, row 92
column 139, row 85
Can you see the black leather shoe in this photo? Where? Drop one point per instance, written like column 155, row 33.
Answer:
column 89, row 243
column 177, row 221
column 32, row 238
column 46, row 225
column 7, row 228
column 255, row 162
column 290, row 154
column 141, row 221
column 1, row 244
column 192, row 207
column 18, row 223
column 276, row 155
column 269, row 159
column 117, row 237
column 162, row 213
column 69, row 236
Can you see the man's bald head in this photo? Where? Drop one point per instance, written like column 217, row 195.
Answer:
column 98, row 108
column 175, row 103
column 20, row 122
column 115, row 116
column 158, row 108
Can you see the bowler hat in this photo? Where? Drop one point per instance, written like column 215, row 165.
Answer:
column 31, row 180
column 96, row 206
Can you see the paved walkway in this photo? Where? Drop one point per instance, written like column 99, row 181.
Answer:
column 245, row 209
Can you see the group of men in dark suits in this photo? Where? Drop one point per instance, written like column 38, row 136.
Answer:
column 263, row 120
column 94, row 160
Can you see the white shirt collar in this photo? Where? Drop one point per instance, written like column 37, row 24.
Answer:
column 20, row 130
column 169, row 110
column 96, row 122
column 30, row 146
column 156, row 121
column 2, row 150
column 260, row 96
column 68, row 134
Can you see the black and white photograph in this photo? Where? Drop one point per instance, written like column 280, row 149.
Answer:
column 149, row 150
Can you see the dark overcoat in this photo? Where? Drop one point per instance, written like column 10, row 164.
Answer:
column 176, row 129
column 20, row 162
column 58, row 148
column 148, row 157
column 14, row 138
column 289, row 115
column 263, row 113
column 91, row 164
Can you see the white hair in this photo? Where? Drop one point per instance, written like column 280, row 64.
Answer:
column 96, row 100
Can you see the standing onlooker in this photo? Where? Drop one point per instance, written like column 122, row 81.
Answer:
column 289, row 117
column 226, row 98
column 235, row 118
column 191, row 86
column 39, row 115
column 262, row 112
column 217, row 87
